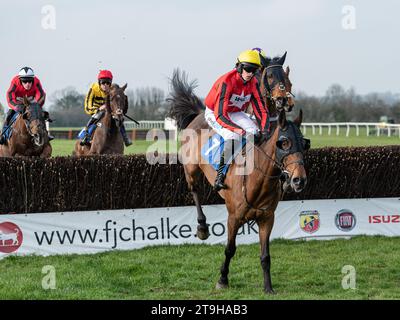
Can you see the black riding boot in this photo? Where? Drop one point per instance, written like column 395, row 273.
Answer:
column 86, row 137
column 125, row 137
column 227, row 154
column 6, row 123
column 219, row 181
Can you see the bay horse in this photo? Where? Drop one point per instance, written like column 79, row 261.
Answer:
column 107, row 138
column 251, row 197
column 29, row 137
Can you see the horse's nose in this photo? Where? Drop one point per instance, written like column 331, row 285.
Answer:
column 299, row 182
column 38, row 139
column 282, row 101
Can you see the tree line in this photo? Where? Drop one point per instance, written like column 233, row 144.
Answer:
column 336, row 105
column 67, row 106
column 340, row 105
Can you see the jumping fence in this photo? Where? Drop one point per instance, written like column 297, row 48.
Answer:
column 122, row 182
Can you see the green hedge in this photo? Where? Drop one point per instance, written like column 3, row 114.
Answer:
column 115, row 182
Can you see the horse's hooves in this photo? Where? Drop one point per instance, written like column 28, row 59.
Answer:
column 220, row 285
column 269, row 291
column 202, row 233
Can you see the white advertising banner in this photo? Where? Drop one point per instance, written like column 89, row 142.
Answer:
column 97, row 231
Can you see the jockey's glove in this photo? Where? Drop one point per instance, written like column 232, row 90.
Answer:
column 257, row 137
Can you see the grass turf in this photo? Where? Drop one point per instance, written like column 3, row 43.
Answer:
column 300, row 270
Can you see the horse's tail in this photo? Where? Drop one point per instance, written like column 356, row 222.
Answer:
column 185, row 105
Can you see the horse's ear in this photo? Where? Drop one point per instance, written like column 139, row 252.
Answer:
column 282, row 59
column 287, row 71
column 282, row 119
column 299, row 119
column 124, row 87
column 108, row 100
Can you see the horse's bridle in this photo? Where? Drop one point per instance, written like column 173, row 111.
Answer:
column 299, row 145
column 119, row 111
column 28, row 122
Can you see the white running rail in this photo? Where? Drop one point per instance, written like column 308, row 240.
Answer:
column 378, row 128
column 144, row 124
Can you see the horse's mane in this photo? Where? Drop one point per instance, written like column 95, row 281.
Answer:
column 35, row 111
column 272, row 60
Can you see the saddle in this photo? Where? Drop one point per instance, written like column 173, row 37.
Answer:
column 8, row 130
column 91, row 130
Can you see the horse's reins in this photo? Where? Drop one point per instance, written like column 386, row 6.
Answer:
column 267, row 94
column 285, row 173
column 27, row 124
column 244, row 186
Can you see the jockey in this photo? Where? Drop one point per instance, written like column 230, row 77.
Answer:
column 226, row 103
column 95, row 104
column 24, row 84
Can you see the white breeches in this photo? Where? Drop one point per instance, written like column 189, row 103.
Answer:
column 240, row 118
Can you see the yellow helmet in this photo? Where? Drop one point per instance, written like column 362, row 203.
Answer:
column 249, row 57
column 263, row 56
column 261, row 51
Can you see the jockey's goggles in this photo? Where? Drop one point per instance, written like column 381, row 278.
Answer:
column 105, row 81
column 249, row 69
column 26, row 80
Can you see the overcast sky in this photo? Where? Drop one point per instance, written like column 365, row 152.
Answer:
column 143, row 41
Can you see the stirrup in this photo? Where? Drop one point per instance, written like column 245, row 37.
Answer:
column 218, row 186
column 219, row 183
